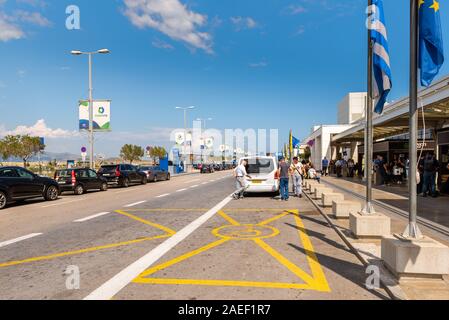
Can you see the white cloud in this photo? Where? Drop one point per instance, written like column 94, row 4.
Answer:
column 39, row 129
column 294, row 9
column 157, row 43
column 241, row 23
column 300, row 31
column 32, row 17
column 172, row 18
column 11, row 24
column 261, row 64
column 8, row 30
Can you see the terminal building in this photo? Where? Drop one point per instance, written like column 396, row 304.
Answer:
column 346, row 139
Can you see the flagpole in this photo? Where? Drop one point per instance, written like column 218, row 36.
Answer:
column 369, row 209
column 412, row 231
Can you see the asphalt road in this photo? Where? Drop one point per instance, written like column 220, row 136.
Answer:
column 180, row 239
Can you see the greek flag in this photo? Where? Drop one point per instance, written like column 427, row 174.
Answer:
column 381, row 56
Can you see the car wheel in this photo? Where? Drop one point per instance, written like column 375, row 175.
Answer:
column 79, row 190
column 144, row 180
column 2, row 200
column 51, row 194
column 168, row 176
column 104, row 186
column 155, row 179
column 125, row 183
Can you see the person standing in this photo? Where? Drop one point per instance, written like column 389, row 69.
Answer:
column 284, row 172
column 297, row 172
column 430, row 167
column 325, row 165
column 240, row 182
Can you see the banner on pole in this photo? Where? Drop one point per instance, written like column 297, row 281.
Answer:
column 101, row 115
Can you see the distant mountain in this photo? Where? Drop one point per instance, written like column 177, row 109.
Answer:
column 49, row 156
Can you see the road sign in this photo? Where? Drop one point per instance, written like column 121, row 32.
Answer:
column 83, row 150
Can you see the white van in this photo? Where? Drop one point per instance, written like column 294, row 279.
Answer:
column 262, row 171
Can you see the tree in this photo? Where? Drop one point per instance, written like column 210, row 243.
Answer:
column 131, row 152
column 157, row 153
column 23, row 147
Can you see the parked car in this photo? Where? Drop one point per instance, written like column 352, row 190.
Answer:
column 207, row 168
column 80, row 180
column 263, row 173
column 155, row 173
column 122, row 175
column 18, row 184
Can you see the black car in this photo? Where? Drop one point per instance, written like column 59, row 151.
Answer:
column 122, row 175
column 18, row 184
column 207, row 168
column 80, row 180
column 155, row 173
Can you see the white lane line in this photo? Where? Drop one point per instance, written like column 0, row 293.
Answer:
column 6, row 243
column 92, row 217
column 205, row 182
column 181, row 190
column 163, row 195
column 195, row 186
column 134, row 204
column 123, row 191
column 113, row 286
column 61, row 203
column 212, row 180
column 194, row 180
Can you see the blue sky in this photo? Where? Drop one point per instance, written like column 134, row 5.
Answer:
column 247, row 64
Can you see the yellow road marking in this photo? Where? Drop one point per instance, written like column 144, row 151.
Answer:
column 169, row 232
column 285, row 213
column 225, row 283
column 152, row 224
column 71, row 253
column 316, row 282
column 182, row 258
column 320, row 279
column 284, row 261
column 228, row 218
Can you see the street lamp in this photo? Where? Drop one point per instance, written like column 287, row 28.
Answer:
column 185, row 109
column 91, row 107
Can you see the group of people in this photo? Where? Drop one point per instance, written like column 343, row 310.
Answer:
column 344, row 168
column 297, row 171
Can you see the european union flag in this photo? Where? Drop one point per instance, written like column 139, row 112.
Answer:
column 431, row 54
column 295, row 142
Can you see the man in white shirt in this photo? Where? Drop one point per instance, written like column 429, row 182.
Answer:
column 240, row 182
column 297, row 172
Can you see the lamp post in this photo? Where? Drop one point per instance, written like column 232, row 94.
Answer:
column 185, row 109
column 91, row 106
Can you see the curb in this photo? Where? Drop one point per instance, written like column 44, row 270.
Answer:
column 387, row 279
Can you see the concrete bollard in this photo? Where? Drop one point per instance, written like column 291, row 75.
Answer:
column 369, row 226
column 329, row 198
column 341, row 208
column 320, row 190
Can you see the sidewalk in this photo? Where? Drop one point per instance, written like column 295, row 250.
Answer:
column 433, row 209
column 369, row 250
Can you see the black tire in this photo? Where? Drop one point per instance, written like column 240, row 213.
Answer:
column 104, row 187
column 168, row 176
column 51, row 194
column 125, row 183
column 3, row 200
column 79, row 190
column 155, row 178
column 144, row 181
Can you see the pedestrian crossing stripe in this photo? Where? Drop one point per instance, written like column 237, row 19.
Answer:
column 316, row 281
